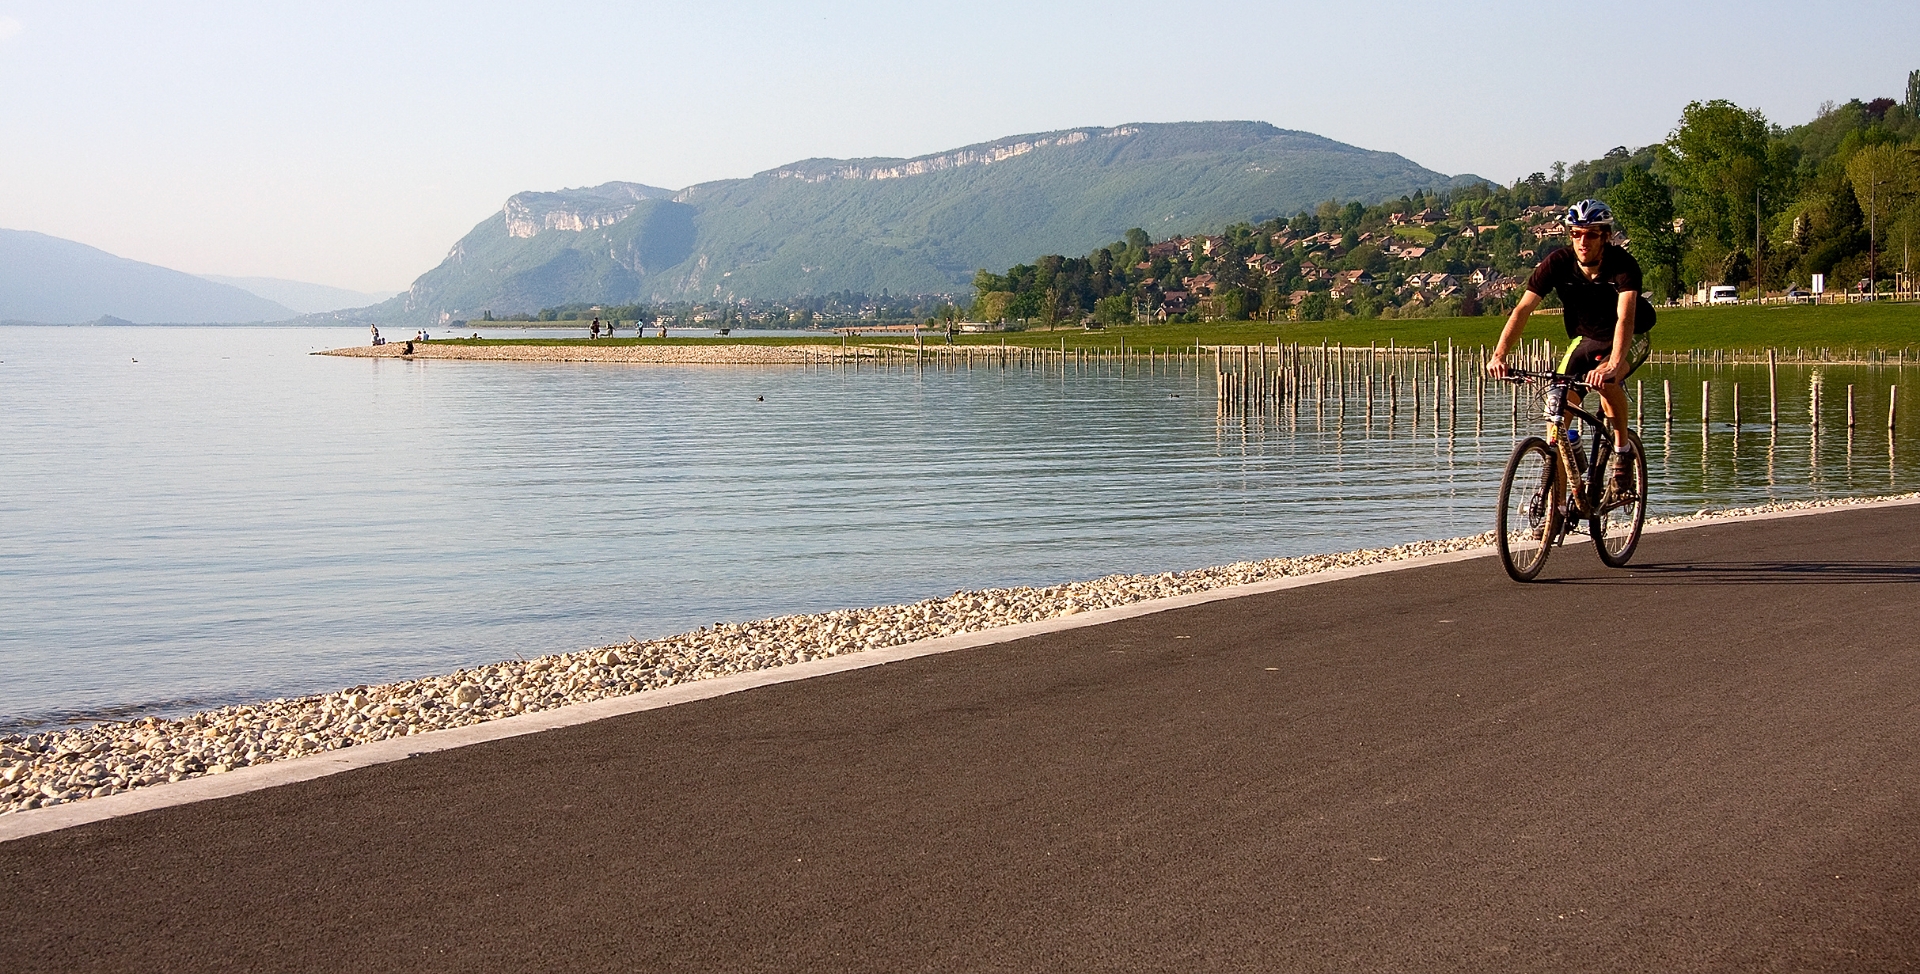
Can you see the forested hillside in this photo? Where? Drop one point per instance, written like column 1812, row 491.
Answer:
column 1839, row 196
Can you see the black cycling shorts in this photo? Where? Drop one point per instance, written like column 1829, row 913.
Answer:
column 1586, row 354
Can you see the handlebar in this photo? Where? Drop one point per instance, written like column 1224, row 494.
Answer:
column 1520, row 376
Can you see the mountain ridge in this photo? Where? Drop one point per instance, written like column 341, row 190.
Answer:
column 51, row 280
column 302, row 297
column 918, row 225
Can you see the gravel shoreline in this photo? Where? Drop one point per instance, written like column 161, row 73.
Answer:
column 59, row 766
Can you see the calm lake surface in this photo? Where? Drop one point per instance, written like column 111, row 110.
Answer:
column 201, row 516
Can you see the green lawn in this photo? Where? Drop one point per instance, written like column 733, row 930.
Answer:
column 1856, row 326
column 1838, row 327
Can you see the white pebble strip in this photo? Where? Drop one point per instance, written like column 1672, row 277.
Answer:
column 54, row 767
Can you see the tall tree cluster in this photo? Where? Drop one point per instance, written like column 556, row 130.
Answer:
column 1728, row 198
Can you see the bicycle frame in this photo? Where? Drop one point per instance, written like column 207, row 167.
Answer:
column 1575, row 486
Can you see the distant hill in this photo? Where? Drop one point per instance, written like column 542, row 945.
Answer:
column 920, row 225
column 53, row 281
column 301, row 296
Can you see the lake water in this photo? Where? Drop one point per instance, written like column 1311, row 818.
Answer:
column 199, row 516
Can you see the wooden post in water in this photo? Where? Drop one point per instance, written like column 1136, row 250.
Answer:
column 1736, row 408
column 1639, row 401
column 1246, row 388
column 1773, row 391
column 1706, row 402
column 1813, row 402
column 1666, row 394
column 1339, row 377
column 1893, row 404
column 1849, row 405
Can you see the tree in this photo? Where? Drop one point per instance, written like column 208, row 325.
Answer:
column 993, row 306
column 1882, row 179
column 1316, row 307
column 1233, row 304
column 1116, row 309
column 1644, row 206
column 1716, row 160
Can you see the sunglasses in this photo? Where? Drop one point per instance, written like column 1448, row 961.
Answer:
column 1582, row 233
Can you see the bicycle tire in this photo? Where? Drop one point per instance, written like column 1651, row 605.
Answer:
column 1616, row 530
column 1526, row 523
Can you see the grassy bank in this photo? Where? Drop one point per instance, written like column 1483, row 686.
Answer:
column 1858, row 326
column 1848, row 326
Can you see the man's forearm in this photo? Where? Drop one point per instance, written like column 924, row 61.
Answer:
column 1516, row 324
column 1510, row 335
column 1623, row 333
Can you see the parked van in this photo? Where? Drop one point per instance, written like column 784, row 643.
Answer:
column 1718, row 294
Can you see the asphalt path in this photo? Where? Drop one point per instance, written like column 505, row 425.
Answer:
column 1710, row 762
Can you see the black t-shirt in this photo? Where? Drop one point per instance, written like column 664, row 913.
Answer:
column 1592, row 306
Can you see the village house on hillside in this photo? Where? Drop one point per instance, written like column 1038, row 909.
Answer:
column 1346, row 281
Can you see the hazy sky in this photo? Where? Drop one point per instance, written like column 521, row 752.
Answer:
column 352, row 143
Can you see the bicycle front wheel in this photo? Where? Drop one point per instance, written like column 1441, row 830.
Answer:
column 1616, row 530
column 1528, row 518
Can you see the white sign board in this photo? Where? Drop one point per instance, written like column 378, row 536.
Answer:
column 1819, row 283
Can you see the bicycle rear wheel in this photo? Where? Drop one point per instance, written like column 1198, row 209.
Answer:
column 1527, row 521
column 1616, row 530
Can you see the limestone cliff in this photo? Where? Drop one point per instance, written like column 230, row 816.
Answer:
column 527, row 214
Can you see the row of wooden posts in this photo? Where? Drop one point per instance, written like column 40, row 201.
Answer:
column 1257, row 376
column 1004, row 356
column 1245, row 381
column 1815, row 393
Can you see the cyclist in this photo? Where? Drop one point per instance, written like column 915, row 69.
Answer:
column 1607, row 317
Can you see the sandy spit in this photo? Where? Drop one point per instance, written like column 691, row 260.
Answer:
column 651, row 354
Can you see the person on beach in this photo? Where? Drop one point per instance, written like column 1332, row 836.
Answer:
column 377, row 340
column 594, row 332
column 1607, row 317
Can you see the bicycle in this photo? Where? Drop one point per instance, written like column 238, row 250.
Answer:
column 1550, row 486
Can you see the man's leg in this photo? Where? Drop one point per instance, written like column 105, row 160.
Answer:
column 1613, row 399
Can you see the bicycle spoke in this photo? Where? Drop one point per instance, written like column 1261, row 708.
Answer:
column 1528, row 521
column 1616, row 531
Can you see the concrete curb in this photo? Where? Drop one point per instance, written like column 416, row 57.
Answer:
column 34, row 822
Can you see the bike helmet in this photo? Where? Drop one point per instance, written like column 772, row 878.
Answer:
column 1589, row 212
